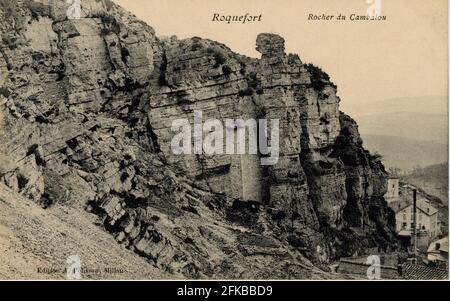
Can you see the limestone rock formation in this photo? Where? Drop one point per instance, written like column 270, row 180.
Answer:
column 86, row 107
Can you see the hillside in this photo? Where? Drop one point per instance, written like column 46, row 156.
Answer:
column 408, row 132
column 409, row 125
column 87, row 107
column 33, row 238
column 432, row 179
column 406, row 153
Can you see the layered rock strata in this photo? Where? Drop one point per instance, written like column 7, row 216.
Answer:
column 86, row 113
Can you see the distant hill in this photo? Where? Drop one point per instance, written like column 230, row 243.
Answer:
column 432, row 179
column 412, row 125
column 406, row 153
column 407, row 132
column 422, row 105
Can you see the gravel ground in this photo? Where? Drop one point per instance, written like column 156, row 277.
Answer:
column 34, row 243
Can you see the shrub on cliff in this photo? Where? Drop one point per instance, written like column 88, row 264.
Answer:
column 37, row 9
column 219, row 57
column 10, row 41
column 196, row 44
column 246, row 92
column 162, row 80
column 377, row 156
column 226, row 70
column 319, row 79
column 254, row 83
column 110, row 24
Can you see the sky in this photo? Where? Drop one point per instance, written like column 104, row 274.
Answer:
column 369, row 61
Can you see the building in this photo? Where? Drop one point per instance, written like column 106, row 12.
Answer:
column 391, row 268
column 438, row 252
column 427, row 217
column 392, row 190
column 423, row 272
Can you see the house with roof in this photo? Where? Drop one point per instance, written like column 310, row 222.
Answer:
column 438, row 252
column 392, row 192
column 427, row 216
column 422, row 272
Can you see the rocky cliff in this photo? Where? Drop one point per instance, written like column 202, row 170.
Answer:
column 86, row 107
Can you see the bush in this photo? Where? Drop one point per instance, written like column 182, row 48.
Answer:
column 254, row 83
column 37, row 9
column 246, row 92
column 10, row 41
column 196, row 45
column 105, row 32
column 110, row 24
column 324, row 120
column 162, row 80
column 243, row 70
column 319, row 79
column 219, row 57
column 226, row 70
column 376, row 157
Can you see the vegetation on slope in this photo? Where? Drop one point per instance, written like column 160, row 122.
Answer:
column 432, row 179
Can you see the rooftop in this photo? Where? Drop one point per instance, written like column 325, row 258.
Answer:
column 406, row 201
column 421, row 272
column 443, row 245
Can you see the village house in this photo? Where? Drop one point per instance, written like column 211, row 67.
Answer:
column 392, row 190
column 427, row 215
column 438, row 252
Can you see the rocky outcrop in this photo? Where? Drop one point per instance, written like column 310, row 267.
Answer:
column 87, row 107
